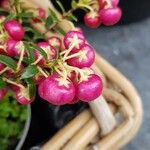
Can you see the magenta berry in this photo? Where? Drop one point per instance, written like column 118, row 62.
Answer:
column 57, row 90
column 2, row 93
column 110, row 16
column 51, row 52
column 2, row 66
column 55, row 42
column 89, row 89
column 40, row 14
column 74, row 37
column 22, row 96
column 14, row 29
column 12, row 49
column 5, row 4
column 38, row 78
column 85, row 58
column 92, row 20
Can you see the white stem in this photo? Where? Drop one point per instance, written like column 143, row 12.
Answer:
column 42, row 72
column 2, row 71
column 21, row 58
column 73, row 55
column 37, row 61
column 103, row 115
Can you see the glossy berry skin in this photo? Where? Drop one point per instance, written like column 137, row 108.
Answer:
column 55, row 42
column 86, row 58
column 110, row 16
column 56, row 90
column 51, row 52
column 11, row 48
column 2, row 93
column 14, row 29
column 22, row 98
column 89, row 89
column 92, row 20
column 74, row 37
column 104, row 4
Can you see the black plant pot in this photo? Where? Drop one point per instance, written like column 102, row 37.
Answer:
column 47, row 119
column 133, row 10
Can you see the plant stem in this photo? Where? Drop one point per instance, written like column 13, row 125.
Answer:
column 12, row 82
column 42, row 72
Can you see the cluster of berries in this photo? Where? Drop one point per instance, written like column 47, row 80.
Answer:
column 108, row 14
column 64, row 77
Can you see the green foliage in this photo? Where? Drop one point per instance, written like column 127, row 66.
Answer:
column 31, row 86
column 8, row 61
column 2, row 83
column 12, row 119
column 29, row 72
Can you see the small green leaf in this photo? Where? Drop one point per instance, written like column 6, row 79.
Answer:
column 53, row 15
column 49, row 21
column 71, row 17
column 60, row 30
column 61, row 6
column 30, row 51
column 8, row 61
column 32, row 87
column 25, row 15
column 41, row 51
column 2, row 83
column 74, row 4
column 29, row 72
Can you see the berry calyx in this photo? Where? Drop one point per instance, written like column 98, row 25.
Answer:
column 92, row 20
column 55, row 42
column 89, row 89
column 22, row 96
column 82, row 58
column 56, row 90
column 75, row 39
column 110, row 16
column 104, row 4
column 14, row 29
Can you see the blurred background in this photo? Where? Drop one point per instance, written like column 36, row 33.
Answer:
column 127, row 47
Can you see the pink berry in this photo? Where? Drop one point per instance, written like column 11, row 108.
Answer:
column 14, row 29
column 2, row 93
column 40, row 13
column 2, row 66
column 22, row 97
column 51, row 52
column 38, row 78
column 57, row 90
column 55, row 42
column 11, row 48
column 110, row 16
column 74, row 101
column 5, row 4
column 89, row 89
column 74, row 37
column 85, row 59
column 92, row 20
